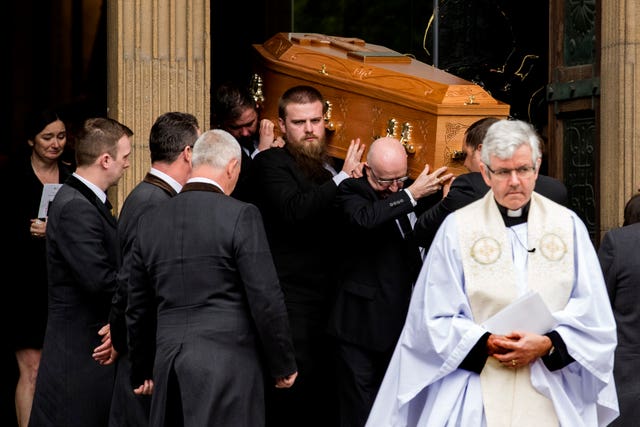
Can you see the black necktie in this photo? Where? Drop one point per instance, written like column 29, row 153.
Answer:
column 414, row 251
column 405, row 225
column 107, row 203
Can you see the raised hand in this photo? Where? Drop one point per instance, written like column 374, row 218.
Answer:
column 428, row 183
column 353, row 160
column 267, row 136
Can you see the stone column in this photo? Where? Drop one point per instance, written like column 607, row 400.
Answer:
column 159, row 60
column 619, row 117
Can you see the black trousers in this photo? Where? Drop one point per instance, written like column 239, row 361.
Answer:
column 312, row 400
column 360, row 373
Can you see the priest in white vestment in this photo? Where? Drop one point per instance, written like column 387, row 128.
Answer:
column 450, row 370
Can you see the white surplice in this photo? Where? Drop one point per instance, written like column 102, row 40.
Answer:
column 423, row 385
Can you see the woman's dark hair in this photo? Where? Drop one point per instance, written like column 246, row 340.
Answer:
column 38, row 120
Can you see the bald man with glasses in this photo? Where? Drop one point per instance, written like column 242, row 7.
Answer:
column 373, row 297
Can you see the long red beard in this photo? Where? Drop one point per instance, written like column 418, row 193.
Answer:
column 311, row 158
column 315, row 150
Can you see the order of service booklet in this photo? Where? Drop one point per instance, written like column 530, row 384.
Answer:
column 48, row 193
column 527, row 313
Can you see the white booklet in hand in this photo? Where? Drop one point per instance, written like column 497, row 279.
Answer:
column 527, row 313
column 48, row 193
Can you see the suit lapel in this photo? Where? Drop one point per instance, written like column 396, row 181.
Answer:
column 91, row 197
column 154, row 180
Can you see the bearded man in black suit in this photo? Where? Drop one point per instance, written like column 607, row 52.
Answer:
column 295, row 188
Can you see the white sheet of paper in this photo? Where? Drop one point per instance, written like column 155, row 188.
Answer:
column 48, row 193
column 528, row 313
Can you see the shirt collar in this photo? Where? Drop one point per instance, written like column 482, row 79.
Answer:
column 97, row 190
column 511, row 217
column 166, row 178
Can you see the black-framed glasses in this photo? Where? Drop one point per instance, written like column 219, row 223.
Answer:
column 387, row 181
column 521, row 172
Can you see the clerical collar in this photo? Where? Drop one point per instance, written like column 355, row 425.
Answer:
column 516, row 217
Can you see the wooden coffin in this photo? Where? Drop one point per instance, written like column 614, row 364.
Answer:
column 373, row 91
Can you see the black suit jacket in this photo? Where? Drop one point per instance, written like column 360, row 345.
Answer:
column 302, row 226
column 468, row 188
column 126, row 407
column 143, row 198
column 72, row 389
column 620, row 261
column 243, row 190
column 378, row 275
column 304, row 235
column 202, row 266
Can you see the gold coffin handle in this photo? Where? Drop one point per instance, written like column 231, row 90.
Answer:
column 255, row 88
column 405, row 138
column 329, row 124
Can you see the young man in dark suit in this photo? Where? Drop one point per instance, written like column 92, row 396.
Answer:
column 202, row 274
column 295, row 188
column 376, row 280
column 82, row 256
column 236, row 111
column 170, row 143
column 469, row 187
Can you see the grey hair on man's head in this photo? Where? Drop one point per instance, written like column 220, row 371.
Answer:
column 215, row 148
column 504, row 137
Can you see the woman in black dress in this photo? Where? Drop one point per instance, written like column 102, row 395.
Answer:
column 28, row 172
